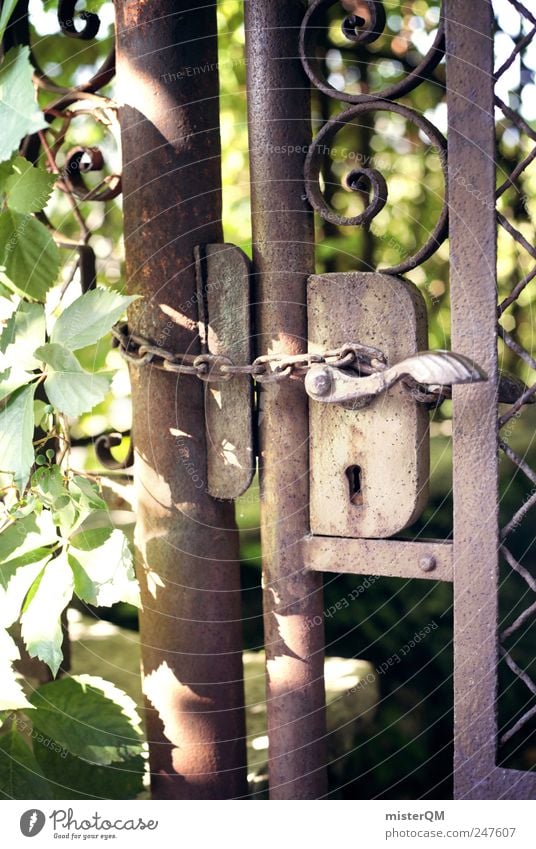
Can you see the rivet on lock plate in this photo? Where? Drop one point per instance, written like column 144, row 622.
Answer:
column 369, row 439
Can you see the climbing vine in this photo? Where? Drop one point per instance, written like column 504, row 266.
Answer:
column 57, row 539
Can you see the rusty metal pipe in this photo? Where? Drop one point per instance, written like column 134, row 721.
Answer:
column 186, row 542
column 283, row 257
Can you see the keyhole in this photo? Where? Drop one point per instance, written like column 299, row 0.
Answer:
column 353, row 473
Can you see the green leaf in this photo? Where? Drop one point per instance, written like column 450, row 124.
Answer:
column 105, row 575
column 17, row 576
column 12, row 696
column 40, row 413
column 12, row 379
column 16, row 435
column 19, row 113
column 28, row 188
column 26, row 535
column 20, row 774
column 70, row 389
column 90, row 717
column 90, row 539
column 29, row 255
column 49, row 483
column 89, row 318
column 8, row 7
column 24, row 332
column 41, row 621
column 73, row 778
column 87, row 492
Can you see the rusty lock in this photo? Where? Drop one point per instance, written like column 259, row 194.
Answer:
column 429, row 368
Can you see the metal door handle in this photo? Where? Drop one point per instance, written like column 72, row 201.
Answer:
column 432, row 368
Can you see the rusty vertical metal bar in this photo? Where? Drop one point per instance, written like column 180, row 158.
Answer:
column 186, row 542
column 283, row 257
column 471, row 150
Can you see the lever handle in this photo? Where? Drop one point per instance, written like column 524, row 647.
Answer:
column 433, row 368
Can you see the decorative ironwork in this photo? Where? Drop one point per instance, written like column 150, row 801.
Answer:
column 354, row 180
column 361, row 30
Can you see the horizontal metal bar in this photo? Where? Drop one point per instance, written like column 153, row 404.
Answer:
column 390, row 558
column 501, row 784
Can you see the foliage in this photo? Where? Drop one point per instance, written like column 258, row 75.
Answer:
column 76, row 727
column 57, row 540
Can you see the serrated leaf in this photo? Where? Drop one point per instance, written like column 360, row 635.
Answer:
column 89, row 318
column 23, row 333
column 41, row 621
column 12, row 379
column 12, row 696
column 90, row 717
column 19, row 113
column 16, row 435
column 17, row 576
column 74, row 778
column 26, row 535
column 70, row 389
column 28, row 254
column 28, row 188
column 90, row 539
column 105, row 575
column 20, row 774
column 88, row 492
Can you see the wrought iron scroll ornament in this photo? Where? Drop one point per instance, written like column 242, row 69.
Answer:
column 365, row 30
column 313, row 165
column 361, row 30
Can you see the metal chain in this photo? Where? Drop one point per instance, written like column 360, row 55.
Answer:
column 268, row 368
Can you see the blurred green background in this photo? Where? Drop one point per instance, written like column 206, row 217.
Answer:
column 407, row 753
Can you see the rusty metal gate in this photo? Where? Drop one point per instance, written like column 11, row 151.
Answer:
column 297, row 544
column 347, row 354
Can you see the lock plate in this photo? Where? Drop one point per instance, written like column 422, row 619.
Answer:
column 369, row 467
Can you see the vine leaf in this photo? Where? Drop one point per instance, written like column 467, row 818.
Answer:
column 70, row 389
column 20, row 774
column 28, row 188
column 11, row 378
column 105, row 575
column 91, row 718
column 22, row 537
column 19, row 113
column 16, row 578
column 16, row 434
column 24, row 332
column 12, row 696
column 29, row 255
column 87, row 538
column 87, row 493
column 78, row 779
column 48, row 597
column 89, row 318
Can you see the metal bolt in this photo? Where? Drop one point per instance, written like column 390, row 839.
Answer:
column 428, row 563
column 319, row 382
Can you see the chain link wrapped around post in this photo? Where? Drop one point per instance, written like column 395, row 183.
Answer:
column 269, row 368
